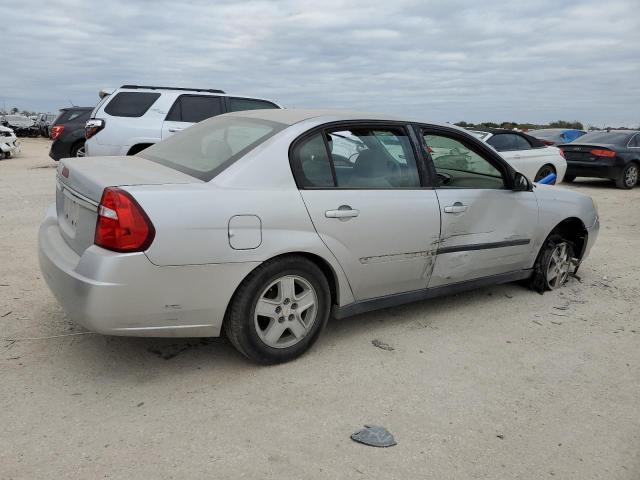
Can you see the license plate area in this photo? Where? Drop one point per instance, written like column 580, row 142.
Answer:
column 70, row 213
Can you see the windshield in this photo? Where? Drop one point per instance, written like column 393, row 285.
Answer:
column 207, row 148
column 612, row 138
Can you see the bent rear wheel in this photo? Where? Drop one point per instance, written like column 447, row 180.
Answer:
column 279, row 310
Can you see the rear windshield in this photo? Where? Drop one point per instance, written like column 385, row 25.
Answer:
column 67, row 116
column 207, row 148
column 611, row 138
column 131, row 104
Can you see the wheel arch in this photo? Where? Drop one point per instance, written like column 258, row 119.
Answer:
column 326, row 268
column 574, row 230
column 138, row 147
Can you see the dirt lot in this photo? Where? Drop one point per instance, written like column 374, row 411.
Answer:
column 497, row 383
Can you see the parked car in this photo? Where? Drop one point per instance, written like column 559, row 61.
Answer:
column 9, row 144
column 247, row 222
column 67, row 132
column 555, row 136
column 21, row 125
column 526, row 154
column 613, row 154
column 44, row 123
column 133, row 117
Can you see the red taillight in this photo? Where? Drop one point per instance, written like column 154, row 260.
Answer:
column 92, row 127
column 599, row 152
column 122, row 225
column 562, row 153
column 56, row 131
column 548, row 142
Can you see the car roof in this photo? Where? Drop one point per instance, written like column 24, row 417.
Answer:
column 495, row 130
column 291, row 116
column 65, row 109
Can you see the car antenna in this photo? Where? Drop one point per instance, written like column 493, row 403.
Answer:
column 71, row 103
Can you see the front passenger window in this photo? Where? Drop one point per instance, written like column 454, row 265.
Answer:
column 457, row 166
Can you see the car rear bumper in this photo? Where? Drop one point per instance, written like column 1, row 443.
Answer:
column 125, row 294
column 60, row 149
column 601, row 169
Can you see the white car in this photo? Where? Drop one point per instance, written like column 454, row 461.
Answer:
column 263, row 223
column 9, row 144
column 134, row 117
column 528, row 155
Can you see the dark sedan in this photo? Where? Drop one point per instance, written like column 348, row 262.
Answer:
column 67, row 132
column 613, row 154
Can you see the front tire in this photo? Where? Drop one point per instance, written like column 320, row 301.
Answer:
column 628, row 177
column 279, row 310
column 553, row 266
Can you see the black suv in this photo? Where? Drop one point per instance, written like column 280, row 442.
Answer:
column 67, row 132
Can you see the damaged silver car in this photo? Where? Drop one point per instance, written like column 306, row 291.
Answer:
column 264, row 223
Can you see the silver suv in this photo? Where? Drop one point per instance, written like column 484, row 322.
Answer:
column 134, row 117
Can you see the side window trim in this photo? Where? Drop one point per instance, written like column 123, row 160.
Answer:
column 324, row 134
column 423, row 176
column 471, row 143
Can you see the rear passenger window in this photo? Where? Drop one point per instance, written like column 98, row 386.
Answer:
column 239, row 104
column 131, row 104
column 357, row 158
column 194, row 108
column 504, row 142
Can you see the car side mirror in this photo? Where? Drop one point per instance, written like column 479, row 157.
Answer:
column 521, row 183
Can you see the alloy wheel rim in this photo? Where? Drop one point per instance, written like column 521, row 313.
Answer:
column 80, row 152
column 559, row 266
column 631, row 177
column 285, row 311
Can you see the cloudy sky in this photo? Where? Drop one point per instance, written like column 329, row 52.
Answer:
column 443, row 60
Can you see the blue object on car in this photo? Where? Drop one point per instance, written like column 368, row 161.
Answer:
column 548, row 180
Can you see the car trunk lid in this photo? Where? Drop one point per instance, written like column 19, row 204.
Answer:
column 579, row 152
column 81, row 181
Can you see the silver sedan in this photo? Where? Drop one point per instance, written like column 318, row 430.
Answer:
column 264, row 223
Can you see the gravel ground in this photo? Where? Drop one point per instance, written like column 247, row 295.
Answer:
column 497, row 383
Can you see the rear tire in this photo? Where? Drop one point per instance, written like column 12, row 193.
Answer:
column 544, row 171
column 628, row 177
column 279, row 310
column 78, row 150
column 569, row 178
column 554, row 263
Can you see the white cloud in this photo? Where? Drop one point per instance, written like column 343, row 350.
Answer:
column 446, row 61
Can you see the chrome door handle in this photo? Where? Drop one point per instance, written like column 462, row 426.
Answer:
column 173, row 130
column 455, row 208
column 344, row 211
